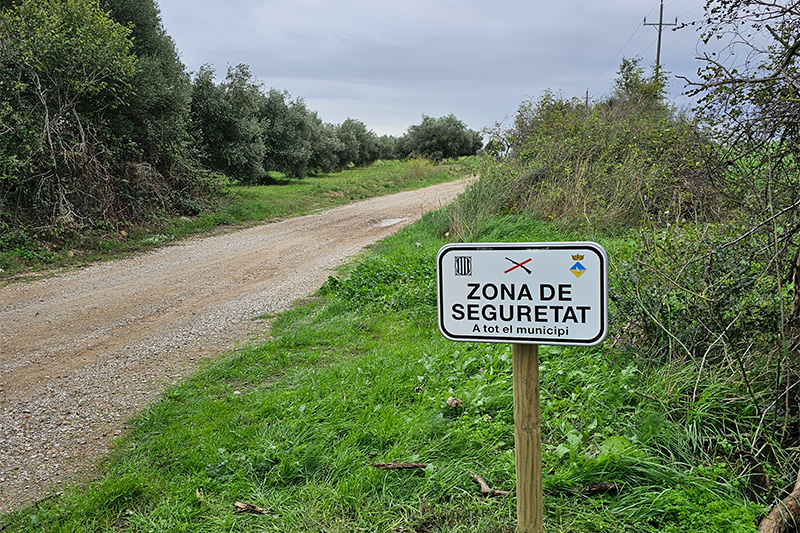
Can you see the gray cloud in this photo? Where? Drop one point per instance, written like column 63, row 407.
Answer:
column 388, row 62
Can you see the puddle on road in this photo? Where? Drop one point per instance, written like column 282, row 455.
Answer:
column 386, row 222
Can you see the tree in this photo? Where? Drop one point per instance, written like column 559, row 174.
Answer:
column 755, row 77
column 751, row 88
column 291, row 135
column 325, row 146
column 749, row 91
column 633, row 87
column 441, row 138
column 228, row 122
column 154, row 123
column 65, row 71
column 358, row 145
column 243, row 132
column 749, row 94
column 387, row 146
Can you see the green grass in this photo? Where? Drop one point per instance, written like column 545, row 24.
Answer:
column 360, row 375
column 21, row 253
column 286, row 198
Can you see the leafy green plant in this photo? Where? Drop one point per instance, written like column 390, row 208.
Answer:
column 65, row 68
column 440, row 138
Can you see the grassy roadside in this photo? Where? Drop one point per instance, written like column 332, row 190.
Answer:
column 22, row 254
column 360, row 375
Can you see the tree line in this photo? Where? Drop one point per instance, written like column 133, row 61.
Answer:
column 245, row 131
column 100, row 122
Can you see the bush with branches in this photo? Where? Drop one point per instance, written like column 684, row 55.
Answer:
column 93, row 116
column 616, row 161
column 65, row 71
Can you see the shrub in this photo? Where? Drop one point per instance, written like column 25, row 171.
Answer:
column 619, row 161
column 92, row 126
column 65, row 68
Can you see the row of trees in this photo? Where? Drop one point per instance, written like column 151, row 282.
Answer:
column 99, row 121
column 244, row 131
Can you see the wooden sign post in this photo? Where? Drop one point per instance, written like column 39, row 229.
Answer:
column 525, row 294
column 528, row 438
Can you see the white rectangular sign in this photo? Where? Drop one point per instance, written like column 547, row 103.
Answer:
column 528, row 293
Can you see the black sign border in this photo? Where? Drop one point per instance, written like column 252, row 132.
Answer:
column 572, row 246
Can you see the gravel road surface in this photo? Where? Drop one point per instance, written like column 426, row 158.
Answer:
column 84, row 351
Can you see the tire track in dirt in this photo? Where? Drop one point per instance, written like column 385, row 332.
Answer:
column 82, row 352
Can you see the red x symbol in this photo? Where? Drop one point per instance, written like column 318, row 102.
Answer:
column 518, row 265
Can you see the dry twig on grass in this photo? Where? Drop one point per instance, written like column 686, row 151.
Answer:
column 249, row 508
column 486, row 490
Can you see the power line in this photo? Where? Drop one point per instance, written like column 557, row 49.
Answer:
column 615, row 57
column 635, row 31
column 660, row 25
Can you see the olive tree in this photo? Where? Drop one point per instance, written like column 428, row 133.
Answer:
column 296, row 141
column 441, row 138
column 228, row 124
column 358, row 146
column 154, row 122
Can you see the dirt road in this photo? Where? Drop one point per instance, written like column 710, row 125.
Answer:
column 82, row 352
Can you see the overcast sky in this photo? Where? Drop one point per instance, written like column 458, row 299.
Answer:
column 388, row 62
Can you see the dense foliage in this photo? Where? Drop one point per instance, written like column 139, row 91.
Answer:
column 225, row 119
column 65, row 71
column 750, row 102
column 93, row 115
column 750, row 98
column 246, row 132
column 441, row 138
column 153, row 122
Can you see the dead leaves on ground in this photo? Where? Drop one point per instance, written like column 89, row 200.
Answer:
column 241, row 507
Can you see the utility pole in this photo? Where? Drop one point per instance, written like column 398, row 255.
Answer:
column 660, row 25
